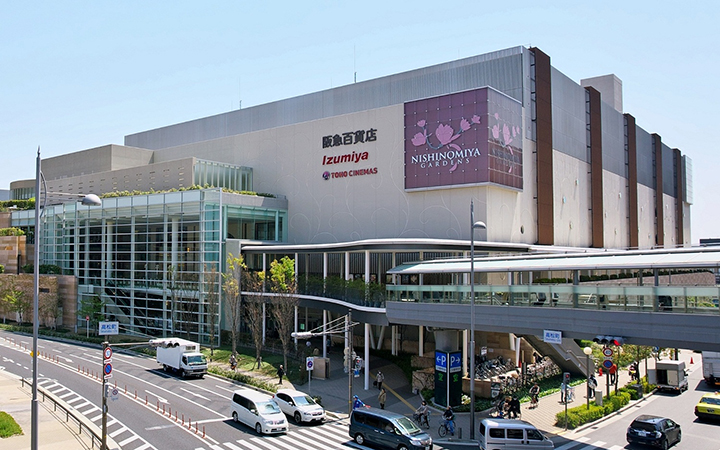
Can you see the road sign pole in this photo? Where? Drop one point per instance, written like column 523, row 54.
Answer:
column 104, row 399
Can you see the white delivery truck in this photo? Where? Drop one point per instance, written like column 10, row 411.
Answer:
column 711, row 367
column 669, row 375
column 180, row 355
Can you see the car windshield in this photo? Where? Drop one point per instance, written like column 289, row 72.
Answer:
column 197, row 359
column 303, row 400
column 407, row 426
column 643, row 426
column 710, row 400
column 267, row 408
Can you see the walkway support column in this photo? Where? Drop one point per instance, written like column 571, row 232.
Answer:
column 324, row 336
column 367, row 356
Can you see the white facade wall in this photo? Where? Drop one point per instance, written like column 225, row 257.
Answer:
column 615, row 214
column 670, row 238
column 646, row 217
column 288, row 161
column 571, row 179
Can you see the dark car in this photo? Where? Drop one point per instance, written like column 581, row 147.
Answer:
column 653, row 430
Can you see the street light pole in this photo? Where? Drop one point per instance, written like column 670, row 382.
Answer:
column 87, row 200
column 588, row 352
column 473, row 226
column 36, row 303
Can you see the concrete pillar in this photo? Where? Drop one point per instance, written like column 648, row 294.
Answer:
column 421, row 340
column 264, row 317
column 393, row 340
column 367, row 356
column 381, row 338
column 324, row 337
column 295, row 329
column 466, row 346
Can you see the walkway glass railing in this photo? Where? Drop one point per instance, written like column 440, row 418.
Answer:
column 677, row 299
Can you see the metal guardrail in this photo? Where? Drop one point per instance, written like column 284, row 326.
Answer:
column 71, row 414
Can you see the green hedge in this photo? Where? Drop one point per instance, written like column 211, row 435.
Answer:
column 12, row 231
column 581, row 415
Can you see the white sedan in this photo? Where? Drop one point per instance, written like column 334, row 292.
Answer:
column 300, row 406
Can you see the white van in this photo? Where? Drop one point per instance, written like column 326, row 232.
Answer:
column 259, row 411
column 510, row 434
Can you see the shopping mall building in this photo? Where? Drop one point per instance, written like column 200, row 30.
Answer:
column 355, row 180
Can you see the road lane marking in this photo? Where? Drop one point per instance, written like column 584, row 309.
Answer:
column 196, row 395
column 160, row 399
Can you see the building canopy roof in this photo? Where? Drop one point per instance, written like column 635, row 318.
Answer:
column 684, row 258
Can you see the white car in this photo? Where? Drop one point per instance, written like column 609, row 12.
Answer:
column 300, row 406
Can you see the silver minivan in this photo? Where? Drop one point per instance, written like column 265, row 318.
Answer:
column 509, row 434
column 258, row 411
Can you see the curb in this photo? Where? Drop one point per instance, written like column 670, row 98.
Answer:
column 613, row 414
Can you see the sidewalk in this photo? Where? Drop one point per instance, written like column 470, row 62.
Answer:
column 400, row 399
column 53, row 432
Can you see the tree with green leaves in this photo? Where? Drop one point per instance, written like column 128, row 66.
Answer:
column 92, row 307
column 253, row 304
column 283, row 283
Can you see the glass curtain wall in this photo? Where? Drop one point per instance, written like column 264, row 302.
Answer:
column 154, row 260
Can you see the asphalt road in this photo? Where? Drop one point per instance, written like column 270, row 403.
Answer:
column 610, row 434
column 179, row 414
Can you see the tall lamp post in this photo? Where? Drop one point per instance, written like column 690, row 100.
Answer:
column 473, row 226
column 588, row 352
column 88, row 200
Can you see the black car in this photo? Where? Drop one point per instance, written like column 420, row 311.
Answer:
column 652, row 430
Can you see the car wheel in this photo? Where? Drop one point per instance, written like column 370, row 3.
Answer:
column 665, row 445
column 359, row 439
column 297, row 417
column 182, row 374
column 258, row 429
column 235, row 417
column 402, row 447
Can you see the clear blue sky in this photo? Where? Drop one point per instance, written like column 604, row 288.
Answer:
column 77, row 75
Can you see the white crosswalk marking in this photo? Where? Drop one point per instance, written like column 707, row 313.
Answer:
column 128, row 440
column 86, row 408
column 598, row 444
column 572, row 444
column 329, row 436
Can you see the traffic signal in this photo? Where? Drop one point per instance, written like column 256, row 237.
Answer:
column 566, row 378
column 609, row 340
column 603, row 340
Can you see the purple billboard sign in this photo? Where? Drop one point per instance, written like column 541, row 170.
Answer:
column 466, row 138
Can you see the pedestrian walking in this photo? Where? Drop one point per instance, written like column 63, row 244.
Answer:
column 380, row 378
column 563, row 391
column 591, row 385
column 233, row 362
column 381, row 398
column 514, row 410
column 280, row 373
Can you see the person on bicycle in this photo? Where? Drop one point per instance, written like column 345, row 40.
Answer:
column 449, row 417
column 421, row 414
column 534, row 395
column 233, row 362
